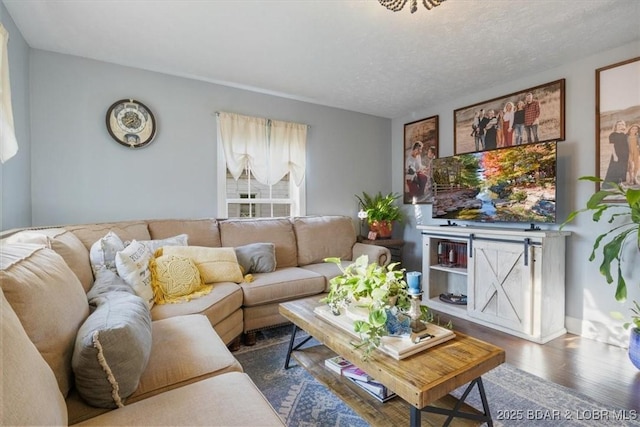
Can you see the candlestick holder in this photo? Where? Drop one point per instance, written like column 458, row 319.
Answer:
column 415, row 313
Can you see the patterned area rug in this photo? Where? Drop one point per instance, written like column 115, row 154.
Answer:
column 516, row 398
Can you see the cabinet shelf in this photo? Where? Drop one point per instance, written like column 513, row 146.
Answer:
column 453, row 309
column 454, row 270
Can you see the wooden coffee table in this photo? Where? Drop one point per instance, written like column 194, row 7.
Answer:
column 423, row 381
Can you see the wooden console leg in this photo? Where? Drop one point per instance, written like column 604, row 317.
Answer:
column 250, row 338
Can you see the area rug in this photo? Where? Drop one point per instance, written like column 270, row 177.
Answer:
column 516, row 398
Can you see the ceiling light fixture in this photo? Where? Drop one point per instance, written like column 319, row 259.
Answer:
column 397, row 5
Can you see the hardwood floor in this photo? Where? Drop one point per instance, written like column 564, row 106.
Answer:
column 597, row 370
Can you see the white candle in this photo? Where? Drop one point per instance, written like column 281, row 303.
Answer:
column 439, row 248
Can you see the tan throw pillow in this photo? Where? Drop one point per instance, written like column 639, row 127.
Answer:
column 132, row 264
column 215, row 264
column 66, row 244
column 176, row 279
column 49, row 301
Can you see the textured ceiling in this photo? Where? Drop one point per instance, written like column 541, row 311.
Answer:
column 351, row 54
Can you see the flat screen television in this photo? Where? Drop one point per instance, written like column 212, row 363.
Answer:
column 512, row 184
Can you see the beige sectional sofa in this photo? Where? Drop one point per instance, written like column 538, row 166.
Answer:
column 190, row 377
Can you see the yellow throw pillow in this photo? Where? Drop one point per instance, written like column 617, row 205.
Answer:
column 176, row 279
column 215, row 264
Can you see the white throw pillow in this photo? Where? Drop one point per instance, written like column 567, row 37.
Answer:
column 103, row 252
column 153, row 245
column 133, row 267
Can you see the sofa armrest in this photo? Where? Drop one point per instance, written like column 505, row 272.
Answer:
column 377, row 254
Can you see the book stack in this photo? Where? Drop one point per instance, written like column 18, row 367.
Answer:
column 337, row 364
column 360, row 378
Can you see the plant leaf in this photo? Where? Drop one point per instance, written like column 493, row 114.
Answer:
column 597, row 198
column 633, row 197
column 621, row 289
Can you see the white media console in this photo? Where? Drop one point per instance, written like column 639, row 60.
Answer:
column 514, row 279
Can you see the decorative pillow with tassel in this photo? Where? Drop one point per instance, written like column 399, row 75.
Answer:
column 176, row 279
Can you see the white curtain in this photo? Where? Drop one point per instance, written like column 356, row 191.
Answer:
column 287, row 151
column 8, row 143
column 271, row 148
column 244, row 141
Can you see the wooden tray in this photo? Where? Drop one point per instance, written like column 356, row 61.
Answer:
column 396, row 347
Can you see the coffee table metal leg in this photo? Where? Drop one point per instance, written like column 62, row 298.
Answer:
column 455, row 412
column 415, row 417
column 291, row 348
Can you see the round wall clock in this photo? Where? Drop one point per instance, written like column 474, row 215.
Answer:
column 131, row 123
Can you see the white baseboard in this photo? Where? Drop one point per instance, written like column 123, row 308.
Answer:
column 610, row 333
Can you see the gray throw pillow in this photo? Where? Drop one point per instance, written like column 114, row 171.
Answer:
column 257, row 257
column 106, row 282
column 112, row 349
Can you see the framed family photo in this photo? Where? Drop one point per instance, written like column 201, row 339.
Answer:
column 420, row 148
column 531, row 115
column 618, row 124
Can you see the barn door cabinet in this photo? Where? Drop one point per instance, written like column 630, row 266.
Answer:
column 514, row 279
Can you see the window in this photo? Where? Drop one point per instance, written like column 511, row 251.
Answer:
column 261, row 165
column 8, row 142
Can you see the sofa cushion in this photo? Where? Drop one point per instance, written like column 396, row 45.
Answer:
column 155, row 244
column 185, row 349
column 112, row 349
column 257, row 257
column 224, row 299
column 133, row 266
column 284, row 284
column 231, row 399
column 49, row 301
column 328, row 270
column 323, row 237
column 215, row 264
column 103, row 252
column 126, row 230
column 279, row 231
column 201, row 232
column 176, row 279
column 30, row 393
column 66, row 244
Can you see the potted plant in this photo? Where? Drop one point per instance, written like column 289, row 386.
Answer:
column 381, row 211
column 373, row 287
column 613, row 244
column 634, row 341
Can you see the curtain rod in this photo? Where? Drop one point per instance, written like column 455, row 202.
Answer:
column 217, row 113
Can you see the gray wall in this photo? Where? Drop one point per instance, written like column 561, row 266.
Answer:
column 80, row 174
column 589, row 299
column 72, row 171
column 15, row 174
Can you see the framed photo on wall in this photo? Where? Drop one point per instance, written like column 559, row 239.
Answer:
column 531, row 115
column 420, row 148
column 618, row 124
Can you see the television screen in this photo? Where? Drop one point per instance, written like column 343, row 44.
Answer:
column 510, row 184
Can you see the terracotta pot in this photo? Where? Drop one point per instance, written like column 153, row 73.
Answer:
column 634, row 347
column 383, row 228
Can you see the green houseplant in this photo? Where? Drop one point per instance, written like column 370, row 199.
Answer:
column 381, row 211
column 374, row 287
column 613, row 248
column 613, row 244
